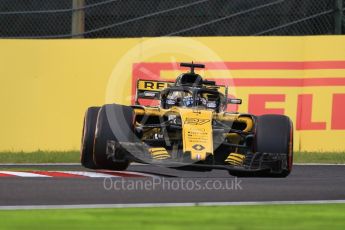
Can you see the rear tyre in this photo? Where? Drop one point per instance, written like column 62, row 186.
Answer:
column 114, row 125
column 88, row 137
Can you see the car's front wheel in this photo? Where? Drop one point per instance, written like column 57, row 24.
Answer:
column 274, row 134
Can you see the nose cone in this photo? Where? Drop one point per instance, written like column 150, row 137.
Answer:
column 197, row 133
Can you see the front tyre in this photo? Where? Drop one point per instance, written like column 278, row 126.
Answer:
column 274, row 134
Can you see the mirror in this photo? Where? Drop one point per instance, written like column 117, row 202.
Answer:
column 234, row 101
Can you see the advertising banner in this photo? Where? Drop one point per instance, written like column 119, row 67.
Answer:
column 46, row 85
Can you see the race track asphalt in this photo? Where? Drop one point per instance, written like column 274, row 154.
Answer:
column 307, row 182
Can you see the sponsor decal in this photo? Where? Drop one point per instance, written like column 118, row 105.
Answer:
column 198, row 147
column 196, row 121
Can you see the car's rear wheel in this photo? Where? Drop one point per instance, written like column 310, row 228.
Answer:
column 114, row 125
column 88, row 137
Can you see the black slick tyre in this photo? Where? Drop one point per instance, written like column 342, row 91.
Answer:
column 88, row 137
column 114, row 125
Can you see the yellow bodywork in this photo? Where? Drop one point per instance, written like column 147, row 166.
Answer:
column 197, row 132
column 235, row 159
column 159, row 153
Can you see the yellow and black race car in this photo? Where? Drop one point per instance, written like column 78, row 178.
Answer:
column 190, row 130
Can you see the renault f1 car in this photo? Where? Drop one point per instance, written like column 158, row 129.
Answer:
column 190, row 130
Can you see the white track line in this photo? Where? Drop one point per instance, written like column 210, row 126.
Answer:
column 23, row 174
column 94, row 174
column 151, row 205
column 89, row 174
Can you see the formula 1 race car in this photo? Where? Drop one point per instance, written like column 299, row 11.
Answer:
column 189, row 130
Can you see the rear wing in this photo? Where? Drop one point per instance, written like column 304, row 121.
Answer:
column 150, row 89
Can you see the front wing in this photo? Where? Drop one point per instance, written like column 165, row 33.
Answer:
column 254, row 162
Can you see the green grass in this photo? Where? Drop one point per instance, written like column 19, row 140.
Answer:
column 320, row 157
column 40, row 157
column 231, row 217
column 74, row 156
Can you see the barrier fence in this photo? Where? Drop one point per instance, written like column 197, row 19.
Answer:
column 150, row 18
